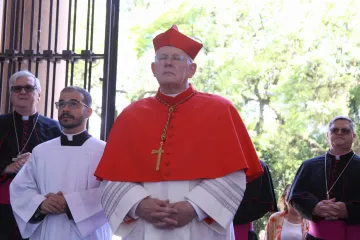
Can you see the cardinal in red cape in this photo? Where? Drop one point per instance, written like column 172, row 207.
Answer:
column 176, row 164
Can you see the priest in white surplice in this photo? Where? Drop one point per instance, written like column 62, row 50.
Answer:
column 176, row 164
column 55, row 196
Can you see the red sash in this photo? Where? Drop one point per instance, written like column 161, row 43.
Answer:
column 242, row 230
column 329, row 230
column 353, row 232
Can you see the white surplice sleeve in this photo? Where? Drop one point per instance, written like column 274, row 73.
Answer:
column 25, row 197
column 119, row 200
column 86, row 209
column 219, row 198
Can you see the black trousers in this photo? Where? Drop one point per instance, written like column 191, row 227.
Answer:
column 8, row 227
column 252, row 235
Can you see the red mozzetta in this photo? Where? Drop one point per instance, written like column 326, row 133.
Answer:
column 206, row 138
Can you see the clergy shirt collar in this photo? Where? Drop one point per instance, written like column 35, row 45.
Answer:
column 77, row 139
column 25, row 118
column 175, row 94
column 172, row 95
column 70, row 136
column 171, row 100
column 343, row 157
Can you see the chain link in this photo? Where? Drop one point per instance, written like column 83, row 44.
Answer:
column 170, row 111
column 163, row 135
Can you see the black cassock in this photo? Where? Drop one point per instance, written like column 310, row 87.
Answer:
column 309, row 186
column 259, row 199
column 45, row 130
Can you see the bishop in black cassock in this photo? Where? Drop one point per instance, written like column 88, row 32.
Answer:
column 20, row 132
column 326, row 189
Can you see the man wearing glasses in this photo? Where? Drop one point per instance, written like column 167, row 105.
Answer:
column 176, row 163
column 326, row 189
column 20, row 131
column 56, row 195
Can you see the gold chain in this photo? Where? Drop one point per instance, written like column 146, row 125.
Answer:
column 171, row 110
column 17, row 140
column 163, row 135
column 326, row 179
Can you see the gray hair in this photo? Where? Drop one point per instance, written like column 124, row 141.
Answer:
column 332, row 121
column 24, row 73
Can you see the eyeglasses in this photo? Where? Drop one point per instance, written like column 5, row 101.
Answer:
column 176, row 58
column 345, row 131
column 73, row 104
column 27, row 88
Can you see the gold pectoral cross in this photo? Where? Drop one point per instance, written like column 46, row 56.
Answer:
column 159, row 153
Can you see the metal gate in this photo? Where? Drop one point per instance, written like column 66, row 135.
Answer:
column 62, row 42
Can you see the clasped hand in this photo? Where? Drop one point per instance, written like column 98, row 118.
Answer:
column 53, row 204
column 331, row 210
column 18, row 164
column 163, row 214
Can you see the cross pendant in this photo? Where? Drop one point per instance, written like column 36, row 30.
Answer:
column 327, row 196
column 14, row 159
column 159, row 153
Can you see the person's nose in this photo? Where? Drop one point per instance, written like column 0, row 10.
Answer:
column 341, row 131
column 168, row 63
column 66, row 108
column 23, row 91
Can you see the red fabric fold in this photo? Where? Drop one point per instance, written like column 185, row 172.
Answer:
column 206, row 138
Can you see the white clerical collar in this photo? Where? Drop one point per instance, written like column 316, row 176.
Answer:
column 24, row 117
column 337, row 157
column 171, row 95
column 70, row 136
column 175, row 94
